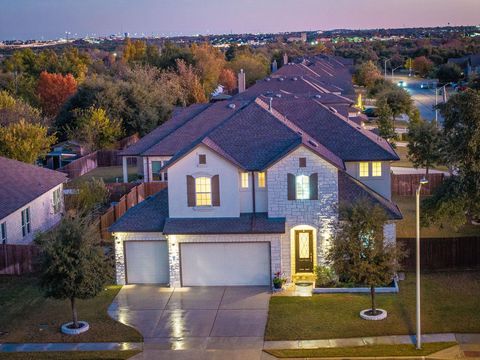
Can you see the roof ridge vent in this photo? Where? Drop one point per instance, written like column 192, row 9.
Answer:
column 232, row 106
column 313, row 143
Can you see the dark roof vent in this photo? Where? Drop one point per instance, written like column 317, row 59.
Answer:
column 299, row 133
column 231, row 106
column 333, row 109
column 313, row 143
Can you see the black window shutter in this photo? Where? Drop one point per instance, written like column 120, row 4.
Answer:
column 215, row 190
column 314, row 186
column 291, row 187
column 191, row 191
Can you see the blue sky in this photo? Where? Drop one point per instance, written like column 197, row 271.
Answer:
column 24, row 19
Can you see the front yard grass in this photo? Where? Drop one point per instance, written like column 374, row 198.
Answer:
column 71, row 355
column 109, row 174
column 366, row 351
column 406, row 226
column 26, row 316
column 451, row 303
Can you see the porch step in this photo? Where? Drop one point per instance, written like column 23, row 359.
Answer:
column 304, row 278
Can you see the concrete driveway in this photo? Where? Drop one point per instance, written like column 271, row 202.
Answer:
column 195, row 323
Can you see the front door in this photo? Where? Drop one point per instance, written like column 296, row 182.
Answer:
column 304, row 251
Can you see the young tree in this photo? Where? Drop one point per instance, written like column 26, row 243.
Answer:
column 228, row 79
column 359, row 252
column 92, row 196
column 53, row 90
column 25, row 141
column 73, row 265
column 95, row 130
column 386, row 128
column 422, row 65
column 424, row 139
column 449, row 72
column 190, row 83
column 367, row 74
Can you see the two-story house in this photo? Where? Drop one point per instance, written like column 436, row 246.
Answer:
column 31, row 200
column 254, row 186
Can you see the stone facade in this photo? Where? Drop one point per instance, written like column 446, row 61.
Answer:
column 316, row 214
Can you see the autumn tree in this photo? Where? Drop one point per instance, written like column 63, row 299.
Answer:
column 209, row 63
column 25, row 141
column 12, row 110
column 191, row 87
column 255, row 66
column 228, row 80
column 134, row 51
column 95, row 130
column 367, row 74
column 54, row 90
column 422, row 65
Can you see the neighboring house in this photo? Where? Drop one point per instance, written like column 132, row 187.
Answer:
column 31, row 200
column 469, row 64
column 254, row 186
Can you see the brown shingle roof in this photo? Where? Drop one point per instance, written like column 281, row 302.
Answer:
column 22, row 183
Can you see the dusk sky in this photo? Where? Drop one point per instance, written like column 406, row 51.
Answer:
column 26, row 19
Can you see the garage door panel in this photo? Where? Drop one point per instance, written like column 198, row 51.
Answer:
column 147, row 262
column 218, row 264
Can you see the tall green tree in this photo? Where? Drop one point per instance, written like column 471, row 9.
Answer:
column 359, row 252
column 367, row 74
column 73, row 265
column 449, row 72
column 424, row 141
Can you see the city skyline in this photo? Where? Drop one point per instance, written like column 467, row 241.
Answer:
column 50, row 19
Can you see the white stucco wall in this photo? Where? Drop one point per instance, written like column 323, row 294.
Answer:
column 120, row 237
column 216, row 165
column 318, row 214
column 246, row 197
column 381, row 184
column 42, row 218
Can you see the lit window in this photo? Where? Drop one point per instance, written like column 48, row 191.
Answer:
column 203, row 191
column 363, row 169
column 376, row 168
column 244, row 180
column 302, row 185
column 3, row 233
column 156, row 166
column 57, row 201
column 261, row 179
column 26, row 222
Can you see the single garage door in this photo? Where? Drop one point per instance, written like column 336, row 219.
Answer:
column 216, row 264
column 147, row 262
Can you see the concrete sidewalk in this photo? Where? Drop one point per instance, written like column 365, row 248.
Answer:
column 43, row 347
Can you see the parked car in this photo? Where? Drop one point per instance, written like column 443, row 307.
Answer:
column 402, row 83
column 371, row 112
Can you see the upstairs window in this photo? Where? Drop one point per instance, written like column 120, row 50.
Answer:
column 3, row 233
column 202, row 159
column 376, row 168
column 57, row 200
column 203, row 191
column 363, row 169
column 302, row 162
column 261, row 179
column 302, row 186
column 26, row 222
column 156, row 174
column 244, row 180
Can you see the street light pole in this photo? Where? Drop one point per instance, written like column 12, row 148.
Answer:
column 385, row 67
column 417, row 263
column 398, row 67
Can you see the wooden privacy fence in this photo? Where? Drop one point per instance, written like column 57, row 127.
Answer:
column 18, row 259
column 443, row 253
column 136, row 195
column 406, row 184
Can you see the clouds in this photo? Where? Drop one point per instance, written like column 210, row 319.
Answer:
column 23, row 19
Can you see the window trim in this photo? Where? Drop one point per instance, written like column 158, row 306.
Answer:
column 302, row 187
column 26, row 221
column 197, row 192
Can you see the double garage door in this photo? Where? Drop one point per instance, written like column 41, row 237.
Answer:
column 202, row 264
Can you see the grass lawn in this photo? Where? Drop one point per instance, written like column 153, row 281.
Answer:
column 451, row 303
column 406, row 227
column 402, row 152
column 26, row 316
column 359, row 351
column 109, row 174
column 73, row 355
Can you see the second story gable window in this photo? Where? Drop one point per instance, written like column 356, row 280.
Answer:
column 203, row 191
column 376, row 169
column 302, row 187
column 202, row 159
column 363, row 169
column 261, row 180
column 26, row 222
column 244, row 180
column 3, row 233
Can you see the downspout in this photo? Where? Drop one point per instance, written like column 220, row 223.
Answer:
column 254, row 210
